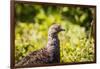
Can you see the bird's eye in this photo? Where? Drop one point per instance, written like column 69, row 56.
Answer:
column 58, row 27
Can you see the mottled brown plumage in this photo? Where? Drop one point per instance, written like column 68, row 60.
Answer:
column 47, row 55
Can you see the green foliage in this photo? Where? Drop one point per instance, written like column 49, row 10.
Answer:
column 33, row 21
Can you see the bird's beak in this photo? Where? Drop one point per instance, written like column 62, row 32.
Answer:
column 62, row 29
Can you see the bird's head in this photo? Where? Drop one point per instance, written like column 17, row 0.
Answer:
column 55, row 29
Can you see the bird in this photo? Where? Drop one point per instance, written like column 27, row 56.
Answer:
column 47, row 55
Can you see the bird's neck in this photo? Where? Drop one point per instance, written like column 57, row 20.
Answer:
column 52, row 36
column 53, row 41
column 53, row 46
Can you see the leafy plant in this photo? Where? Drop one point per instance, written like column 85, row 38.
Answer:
column 33, row 22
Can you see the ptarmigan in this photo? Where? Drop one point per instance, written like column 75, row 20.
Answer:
column 47, row 55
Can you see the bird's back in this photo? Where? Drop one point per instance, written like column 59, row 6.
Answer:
column 37, row 57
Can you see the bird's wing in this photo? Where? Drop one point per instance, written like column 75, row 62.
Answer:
column 37, row 57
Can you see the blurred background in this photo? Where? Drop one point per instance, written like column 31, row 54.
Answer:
column 33, row 22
